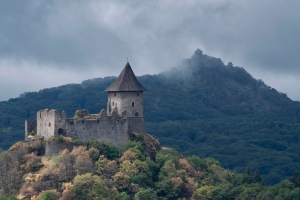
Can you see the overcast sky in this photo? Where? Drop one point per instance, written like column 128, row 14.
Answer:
column 50, row 43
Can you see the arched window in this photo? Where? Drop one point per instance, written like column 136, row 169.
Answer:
column 132, row 104
column 113, row 103
column 115, row 94
column 49, row 124
column 136, row 114
column 141, row 102
column 137, row 94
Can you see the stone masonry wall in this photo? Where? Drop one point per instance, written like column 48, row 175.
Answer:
column 130, row 101
column 46, row 123
column 136, row 124
column 107, row 130
column 113, row 128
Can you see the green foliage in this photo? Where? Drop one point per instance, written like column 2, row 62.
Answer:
column 33, row 133
column 295, row 179
column 88, row 186
column 8, row 198
column 47, row 196
column 122, row 196
column 76, row 117
column 146, row 194
column 60, row 139
column 197, row 162
column 209, row 192
column 202, row 108
column 131, row 144
column 167, row 154
column 133, row 176
column 108, row 150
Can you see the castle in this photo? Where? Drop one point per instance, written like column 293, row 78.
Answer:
column 124, row 115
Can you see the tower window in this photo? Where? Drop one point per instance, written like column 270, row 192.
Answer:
column 137, row 94
column 113, row 103
column 82, row 121
column 136, row 114
column 132, row 104
column 49, row 124
column 141, row 102
column 115, row 94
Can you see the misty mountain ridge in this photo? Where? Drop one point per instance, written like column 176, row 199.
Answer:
column 201, row 107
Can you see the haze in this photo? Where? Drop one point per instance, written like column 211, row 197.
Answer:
column 49, row 43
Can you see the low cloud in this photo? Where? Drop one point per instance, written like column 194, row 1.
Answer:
column 95, row 38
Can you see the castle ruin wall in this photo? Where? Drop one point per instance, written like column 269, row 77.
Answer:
column 46, row 123
column 30, row 125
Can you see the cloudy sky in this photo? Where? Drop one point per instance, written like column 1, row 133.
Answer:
column 49, row 43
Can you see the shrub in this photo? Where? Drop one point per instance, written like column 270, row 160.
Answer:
column 33, row 133
column 60, row 139
column 122, row 196
column 146, row 194
column 109, row 150
column 133, row 144
column 47, row 196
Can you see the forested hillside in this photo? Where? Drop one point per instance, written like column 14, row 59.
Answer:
column 202, row 107
column 95, row 171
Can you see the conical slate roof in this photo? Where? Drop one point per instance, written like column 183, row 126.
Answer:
column 126, row 82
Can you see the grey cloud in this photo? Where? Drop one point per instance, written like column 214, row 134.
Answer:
column 154, row 35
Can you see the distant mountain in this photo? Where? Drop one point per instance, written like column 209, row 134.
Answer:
column 202, row 107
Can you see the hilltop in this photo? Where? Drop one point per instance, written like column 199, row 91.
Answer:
column 202, row 107
column 94, row 170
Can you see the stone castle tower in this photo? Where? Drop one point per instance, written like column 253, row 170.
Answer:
column 123, row 116
column 126, row 94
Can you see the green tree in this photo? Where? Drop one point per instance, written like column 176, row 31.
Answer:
column 88, row 186
column 122, row 196
column 47, row 196
column 146, row 194
column 295, row 179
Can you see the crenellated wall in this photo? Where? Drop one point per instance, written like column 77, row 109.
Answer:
column 48, row 122
column 102, row 127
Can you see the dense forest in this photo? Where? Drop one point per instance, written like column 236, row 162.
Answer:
column 202, row 107
column 95, row 170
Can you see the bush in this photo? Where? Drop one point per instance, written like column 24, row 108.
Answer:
column 33, row 133
column 133, row 144
column 108, row 150
column 60, row 139
column 146, row 194
column 47, row 196
column 8, row 198
column 122, row 196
